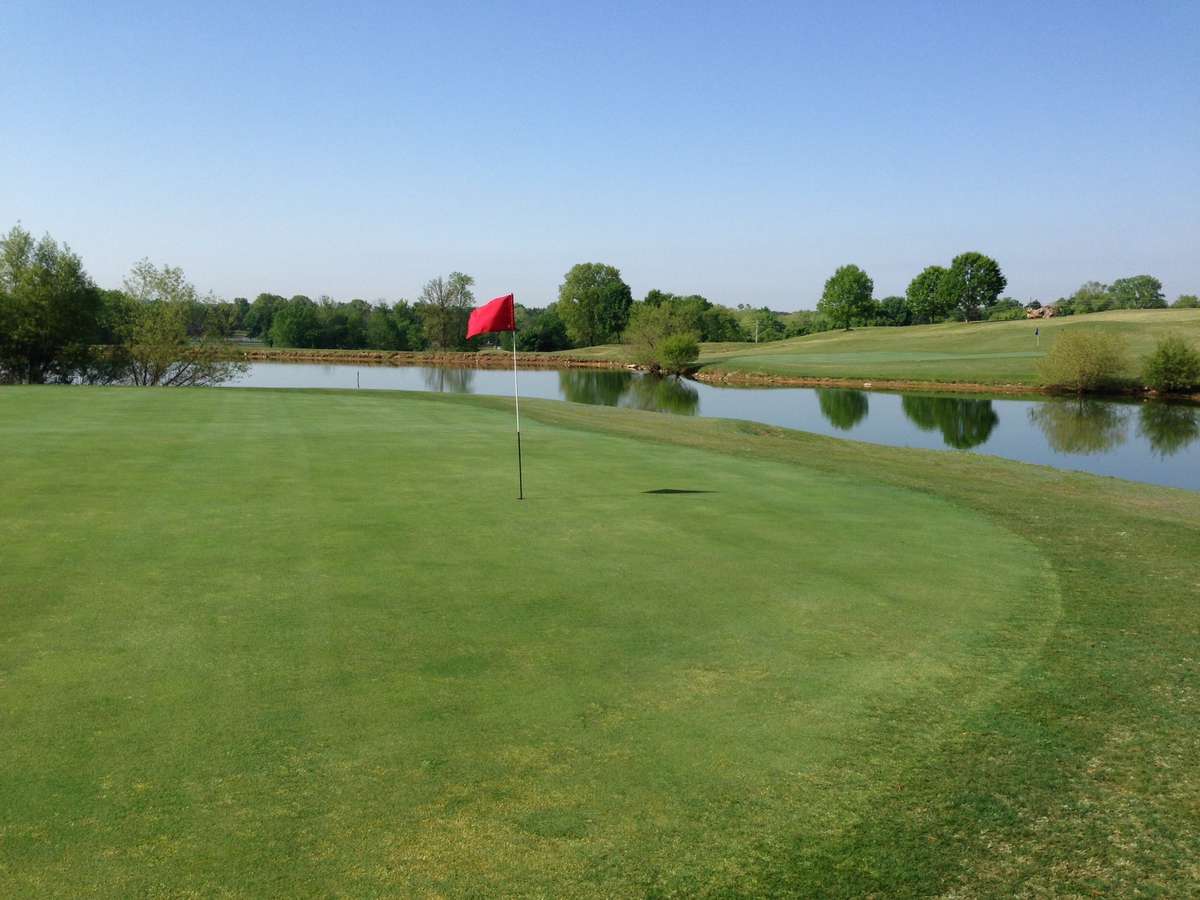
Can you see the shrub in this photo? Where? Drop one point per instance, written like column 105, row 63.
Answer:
column 1173, row 366
column 1006, row 314
column 677, row 352
column 1084, row 360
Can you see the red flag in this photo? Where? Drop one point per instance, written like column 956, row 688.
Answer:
column 495, row 315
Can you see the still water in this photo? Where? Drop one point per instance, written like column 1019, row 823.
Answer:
column 1152, row 442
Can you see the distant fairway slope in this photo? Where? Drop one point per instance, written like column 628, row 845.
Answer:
column 985, row 353
column 308, row 644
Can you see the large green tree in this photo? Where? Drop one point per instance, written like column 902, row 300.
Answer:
column 1089, row 297
column 50, row 311
column 893, row 311
column 972, row 283
column 444, row 307
column 594, row 303
column 296, row 323
column 846, row 300
column 261, row 314
column 1137, row 292
column 924, row 296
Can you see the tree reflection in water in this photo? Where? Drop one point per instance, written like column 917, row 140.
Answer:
column 844, row 409
column 673, row 395
column 1080, row 426
column 599, row 388
column 964, row 423
column 1168, row 427
column 664, row 394
column 449, row 381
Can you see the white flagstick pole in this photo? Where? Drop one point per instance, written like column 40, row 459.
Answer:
column 517, row 408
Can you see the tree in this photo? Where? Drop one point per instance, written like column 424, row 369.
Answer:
column 973, row 282
column 444, row 307
column 50, row 311
column 594, row 303
column 847, row 300
column 148, row 283
column 805, row 321
column 1137, row 292
column 261, row 314
column 1091, row 296
column 1006, row 309
column 924, row 297
column 1186, row 301
column 296, row 324
column 894, row 311
column 169, row 337
column 382, row 332
column 761, row 324
column 538, row 330
column 720, row 324
column 659, row 338
column 160, row 352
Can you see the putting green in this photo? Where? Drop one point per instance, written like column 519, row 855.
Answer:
column 302, row 643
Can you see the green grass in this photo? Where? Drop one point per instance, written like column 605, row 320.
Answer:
column 307, row 644
column 991, row 353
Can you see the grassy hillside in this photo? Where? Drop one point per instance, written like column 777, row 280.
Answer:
column 993, row 353
column 306, row 643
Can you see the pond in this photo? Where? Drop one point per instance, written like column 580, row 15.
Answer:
column 1142, row 441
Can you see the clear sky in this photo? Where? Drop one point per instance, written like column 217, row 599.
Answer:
column 740, row 150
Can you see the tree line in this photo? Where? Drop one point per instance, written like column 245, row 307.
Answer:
column 56, row 324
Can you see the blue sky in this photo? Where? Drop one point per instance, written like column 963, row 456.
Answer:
column 742, row 150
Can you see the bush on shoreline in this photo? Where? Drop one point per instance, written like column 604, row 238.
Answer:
column 1173, row 366
column 1085, row 360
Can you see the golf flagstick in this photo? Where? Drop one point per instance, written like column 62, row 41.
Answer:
column 517, row 409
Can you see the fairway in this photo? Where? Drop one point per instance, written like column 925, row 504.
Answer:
column 982, row 353
column 307, row 643
column 991, row 353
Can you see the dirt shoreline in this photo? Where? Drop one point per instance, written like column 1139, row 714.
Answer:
column 753, row 379
column 424, row 358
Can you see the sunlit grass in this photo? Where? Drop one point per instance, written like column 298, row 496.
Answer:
column 307, row 643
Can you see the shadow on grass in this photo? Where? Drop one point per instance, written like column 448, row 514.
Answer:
column 676, row 491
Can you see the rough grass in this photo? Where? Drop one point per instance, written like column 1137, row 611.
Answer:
column 992, row 353
column 305, row 643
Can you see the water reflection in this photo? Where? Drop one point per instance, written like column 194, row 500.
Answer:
column 1080, row 426
column 648, row 392
column 1168, row 428
column 598, row 388
column 964, row 423
column 843, row 409
column 670, row 394
column 449, row 381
